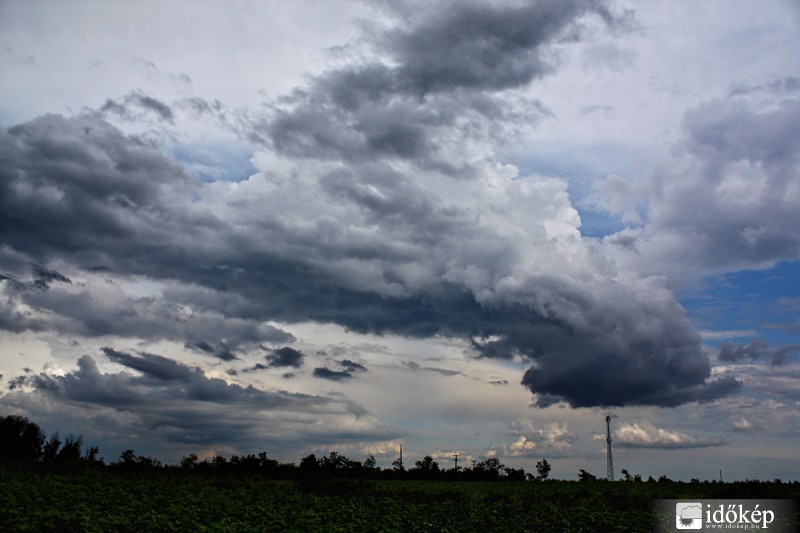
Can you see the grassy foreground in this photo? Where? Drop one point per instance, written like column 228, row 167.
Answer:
column 176, row 501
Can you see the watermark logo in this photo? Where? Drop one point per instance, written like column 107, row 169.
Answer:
column 689, row 515
column 778, row 516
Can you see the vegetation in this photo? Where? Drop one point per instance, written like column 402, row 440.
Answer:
column 44, row 488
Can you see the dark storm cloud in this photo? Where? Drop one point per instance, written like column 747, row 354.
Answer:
column 82, row 177
column 43, row 277
column 597, row 365
column 447, row 64
column 582, row 388
column 285, row 356
column 108, row 311
column 88, row 385
column 181, row 407
column 312, row 246
column 352, row 366
column 258, row 285
column 155, row 366
column 17, row 382
column 757, row 349
column 160, row 379
column 221, row 351
column 475, row 45
column 332, row 375
column 346, row 370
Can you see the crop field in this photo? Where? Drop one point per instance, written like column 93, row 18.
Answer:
column 177, row 501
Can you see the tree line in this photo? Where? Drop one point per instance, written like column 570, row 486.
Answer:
column 24, row 444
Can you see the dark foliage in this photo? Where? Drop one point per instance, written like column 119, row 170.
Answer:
column 20, row 440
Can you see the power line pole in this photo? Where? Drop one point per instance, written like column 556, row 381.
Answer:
column 609, row 460
column 455, row 459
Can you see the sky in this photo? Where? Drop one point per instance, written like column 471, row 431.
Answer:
column 474, row 227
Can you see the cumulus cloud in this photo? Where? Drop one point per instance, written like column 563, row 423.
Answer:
column 532, row 441
column 646, row 435
column 285, row 356
column 480, row 46
column 743, row 424
column 729, row 200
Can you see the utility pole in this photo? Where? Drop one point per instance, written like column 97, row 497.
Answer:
column 455, row 459
column 401, row 457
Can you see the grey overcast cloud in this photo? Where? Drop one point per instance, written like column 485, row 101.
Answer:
column 468, row 226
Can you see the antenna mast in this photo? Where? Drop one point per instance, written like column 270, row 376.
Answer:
column 609, row 460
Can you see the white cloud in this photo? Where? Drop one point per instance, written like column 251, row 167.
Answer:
column 646, row 435
column 552, row 439
column 715, row 335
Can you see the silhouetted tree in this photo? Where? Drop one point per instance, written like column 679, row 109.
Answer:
column 189, row 461
column 626, row 475
column 543, row 469
column 309, row 464
column 91, row 456
column 144, row 462
column 335, row 462
column 427, row 465
column 70, row 453
column 488, row 469
column 51, row 448
column 20, row 439
column 515, row 474
column 128, row 457
column 265, row 463
column 583, row 475
column 129, row 461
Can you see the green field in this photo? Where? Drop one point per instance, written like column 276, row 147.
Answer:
column 173, row 500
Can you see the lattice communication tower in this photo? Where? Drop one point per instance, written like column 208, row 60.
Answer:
column 609, row 460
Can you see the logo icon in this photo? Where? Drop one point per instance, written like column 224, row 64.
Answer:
column 688, row 515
